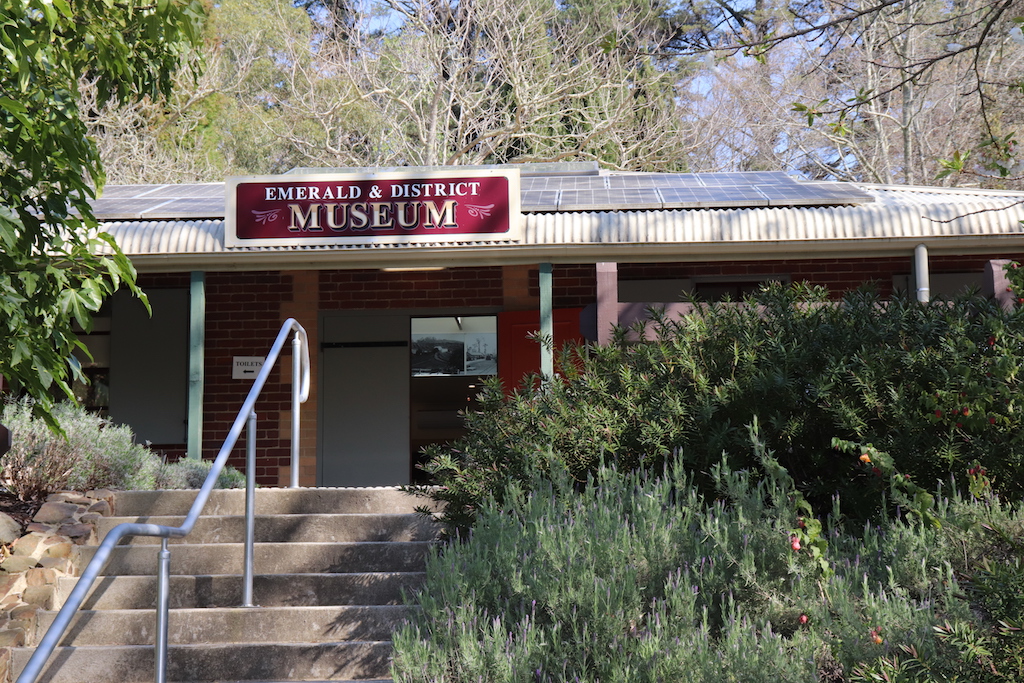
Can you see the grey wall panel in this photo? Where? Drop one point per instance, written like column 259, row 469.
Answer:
column 149, row 365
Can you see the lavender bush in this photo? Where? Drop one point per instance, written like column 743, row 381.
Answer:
column 635, row 577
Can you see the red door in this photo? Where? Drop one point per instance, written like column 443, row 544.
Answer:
column 518, row 354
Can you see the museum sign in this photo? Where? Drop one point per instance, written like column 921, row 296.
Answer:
column 392, row 207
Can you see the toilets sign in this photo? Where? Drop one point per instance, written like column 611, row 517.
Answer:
column 391, row 207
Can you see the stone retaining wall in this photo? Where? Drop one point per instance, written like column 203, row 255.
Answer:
column 31, row 562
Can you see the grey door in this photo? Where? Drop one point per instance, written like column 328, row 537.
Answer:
column 149, row 365
column 364, row 401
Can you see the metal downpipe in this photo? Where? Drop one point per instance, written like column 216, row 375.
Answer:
column 921, row 276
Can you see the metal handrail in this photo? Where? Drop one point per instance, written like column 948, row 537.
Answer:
column 246, row 415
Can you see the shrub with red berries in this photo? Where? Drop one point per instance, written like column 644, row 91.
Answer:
column 937, row 386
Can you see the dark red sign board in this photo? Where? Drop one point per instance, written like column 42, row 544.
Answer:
column 389, row 207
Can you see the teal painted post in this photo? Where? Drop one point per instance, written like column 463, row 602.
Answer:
column 547, row 322
column 196, row 361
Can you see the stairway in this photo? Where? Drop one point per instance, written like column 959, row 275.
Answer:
column 330, row 565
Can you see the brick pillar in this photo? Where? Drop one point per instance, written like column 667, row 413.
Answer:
column 995, row 284
column 305, row 308
column 607, row 301
column 515, row 288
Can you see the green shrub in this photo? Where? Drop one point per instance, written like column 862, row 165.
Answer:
column 936, row 385
column 190, row 474
column 634, row 577
column 91, row 452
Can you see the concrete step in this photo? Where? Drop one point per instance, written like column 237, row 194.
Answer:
column 333, row 661
column 269, row 558
column 232, row 625
column 270, row 501
column 332, row 567
column 299, row 528
column 279, row 590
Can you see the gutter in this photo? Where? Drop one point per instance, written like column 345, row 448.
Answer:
column 621, row 252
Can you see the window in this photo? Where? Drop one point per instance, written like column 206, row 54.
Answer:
column 94, row 396
column 454, row 345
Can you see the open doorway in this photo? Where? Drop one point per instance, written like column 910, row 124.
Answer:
column 391, row 384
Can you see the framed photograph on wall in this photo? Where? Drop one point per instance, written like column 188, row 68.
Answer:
column 454, row 345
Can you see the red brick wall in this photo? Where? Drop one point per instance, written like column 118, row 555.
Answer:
column 375, row 289
column 164, row 280
column 243, row 317
column 244, row 314
column 573, row 286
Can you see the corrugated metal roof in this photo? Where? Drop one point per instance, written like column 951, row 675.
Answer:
column 964, row 220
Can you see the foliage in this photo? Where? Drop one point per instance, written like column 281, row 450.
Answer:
column 637, row 577
column 88, row 453
column 409, row 82
column 874, row 81
column 189, row 473
column 637, row 86
column 55, row 266
column 936, row 385
column 1015, row 276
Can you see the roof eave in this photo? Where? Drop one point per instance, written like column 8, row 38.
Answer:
column 506, row 255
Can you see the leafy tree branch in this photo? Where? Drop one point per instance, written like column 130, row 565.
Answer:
column 50, row 168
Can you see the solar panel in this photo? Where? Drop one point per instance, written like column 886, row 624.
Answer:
column 120, row 202
column 655, row 180
column 190, row 191
column 121, row 191
column 563, row 183
column 635, row 191
column 116, row 208
column 608, row 199
column 609, row 192
column 841, row 193
column 191, row 207
column 539, row 200
column 711, row 197
column 746, row 178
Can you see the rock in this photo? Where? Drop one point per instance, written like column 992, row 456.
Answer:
column 28, row 545
column 103, row 494
column 23, row 612
column 5, row 663
column 102, row 507
column 23, row 616
column 57, row 564
column 57, row 546
column 10, row 529
column 81, row 534
column 12, row 637
column 40, row 596
column 40, row 576
column 92, row 518
column 39, row 527
column 69, row 497
column 11, row 584
column 18, row 563
column 53, row 512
